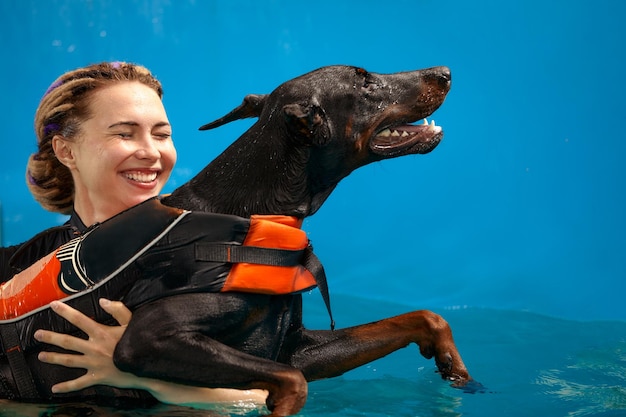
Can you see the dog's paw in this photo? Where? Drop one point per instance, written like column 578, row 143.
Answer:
column 469, row 386
column 289, row 395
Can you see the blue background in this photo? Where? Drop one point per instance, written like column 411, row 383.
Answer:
column 521, row 207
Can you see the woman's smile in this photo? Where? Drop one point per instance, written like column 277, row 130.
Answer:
column 143, row 177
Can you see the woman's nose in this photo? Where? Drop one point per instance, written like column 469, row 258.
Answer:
column 148, row 149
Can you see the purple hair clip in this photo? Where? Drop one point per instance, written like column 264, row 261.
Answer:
column 31, row 179
column 49, row 128
column 53, row 86
column 116, row 64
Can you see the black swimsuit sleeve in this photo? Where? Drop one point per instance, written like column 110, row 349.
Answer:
column 15, row 259
column 6, row 272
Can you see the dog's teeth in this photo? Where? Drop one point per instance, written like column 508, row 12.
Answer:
column 432, row 123
column 404, row 134
column 385, row 133
column 395, row 133
column 425, row 122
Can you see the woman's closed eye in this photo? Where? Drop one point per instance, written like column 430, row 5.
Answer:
column 124, row 135
column 162, row 135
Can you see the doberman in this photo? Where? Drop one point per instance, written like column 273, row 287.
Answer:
column 311, row 132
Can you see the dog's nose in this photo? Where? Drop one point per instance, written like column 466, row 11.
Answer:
column 441, row 76
column 444, row 76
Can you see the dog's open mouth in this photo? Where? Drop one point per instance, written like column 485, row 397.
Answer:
column 406, row 139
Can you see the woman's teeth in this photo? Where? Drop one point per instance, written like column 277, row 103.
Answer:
column 141, row 176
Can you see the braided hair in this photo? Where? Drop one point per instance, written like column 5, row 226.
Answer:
column 64, row 106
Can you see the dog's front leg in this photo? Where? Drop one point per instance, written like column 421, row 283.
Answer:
column 173, row 339
column 323, row 354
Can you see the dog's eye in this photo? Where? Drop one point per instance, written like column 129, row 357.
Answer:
column 369, row 83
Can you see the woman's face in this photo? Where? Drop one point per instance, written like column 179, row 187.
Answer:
column 124, row 153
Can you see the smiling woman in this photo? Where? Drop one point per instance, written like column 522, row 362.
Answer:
column 112, row 138
column 123, row 153
column 104, row 146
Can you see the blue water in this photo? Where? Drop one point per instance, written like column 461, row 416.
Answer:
column 514, row 228
column 531, row 365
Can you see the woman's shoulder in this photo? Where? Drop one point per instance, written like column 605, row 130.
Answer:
column 19, row 257
column 14, row 259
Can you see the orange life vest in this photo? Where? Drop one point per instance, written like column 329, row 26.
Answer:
column 263, row 254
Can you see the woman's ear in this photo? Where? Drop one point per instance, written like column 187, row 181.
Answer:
column 63, row 150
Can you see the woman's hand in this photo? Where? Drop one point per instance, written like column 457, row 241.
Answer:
column 97, row 351
column 95, row 354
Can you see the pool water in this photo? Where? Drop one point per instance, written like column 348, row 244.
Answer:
column 530, row 365
column 518, row 214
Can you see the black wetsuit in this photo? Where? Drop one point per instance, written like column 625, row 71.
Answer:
column 14, row 259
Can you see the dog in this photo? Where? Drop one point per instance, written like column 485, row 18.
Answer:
column 311, row 132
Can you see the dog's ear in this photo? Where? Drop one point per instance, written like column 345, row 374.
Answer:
column 252, row 106
column 308, row 122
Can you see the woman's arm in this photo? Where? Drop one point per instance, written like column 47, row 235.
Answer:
column 96, row 356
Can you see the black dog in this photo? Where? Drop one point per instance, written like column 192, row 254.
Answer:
column 312, row 131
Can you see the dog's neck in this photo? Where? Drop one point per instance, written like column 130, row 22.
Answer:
column 257, row 174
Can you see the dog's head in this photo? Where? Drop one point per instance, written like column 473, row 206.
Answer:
column 375, row 111
column 345, row 117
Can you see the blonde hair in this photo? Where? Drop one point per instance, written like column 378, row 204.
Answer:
column 64, row 106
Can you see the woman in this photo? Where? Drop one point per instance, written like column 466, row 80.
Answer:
column 88, row 165
column 104, row 145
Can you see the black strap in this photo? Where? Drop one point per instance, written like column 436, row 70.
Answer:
column 216, row 252
column 21, row 372
column 312, row 263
